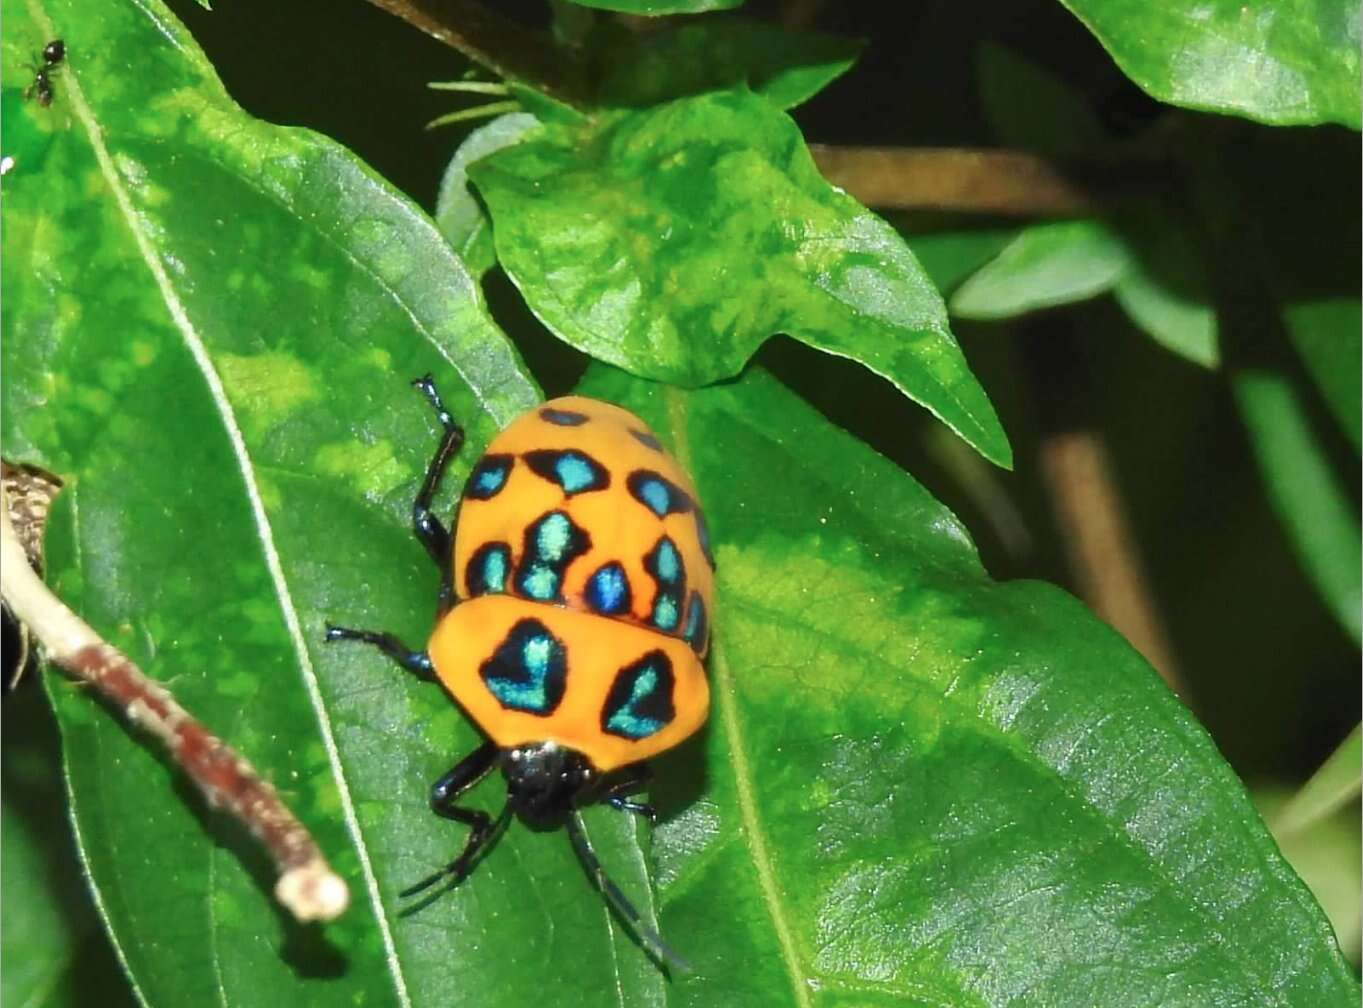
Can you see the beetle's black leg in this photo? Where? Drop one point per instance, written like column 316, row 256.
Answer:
column 482, row 828
column 631, row 780
column 427, row 527
column 416, row 662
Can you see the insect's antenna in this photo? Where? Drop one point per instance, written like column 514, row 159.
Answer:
column 650, row 939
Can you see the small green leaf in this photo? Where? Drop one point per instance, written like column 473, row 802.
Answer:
column 784, row 66
column 1029, row 107
column 1164, row 287
column 1338, row 781
column 458, row 213
column 1321, row 523
column 949, row 257
column 919, row 786
column 1285, row 64
column 1046, row 265
column 672, row 242
column 1326, row 332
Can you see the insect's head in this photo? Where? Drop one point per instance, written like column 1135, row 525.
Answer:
column 543, row 779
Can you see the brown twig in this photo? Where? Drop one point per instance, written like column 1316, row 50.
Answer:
column 987, row 181
column 1101, row 550
column 307, row 886
column 506, row 48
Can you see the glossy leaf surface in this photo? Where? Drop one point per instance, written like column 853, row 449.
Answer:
column 210, row 324
column 673, row 242
column 1281, row 63
column 922, row 786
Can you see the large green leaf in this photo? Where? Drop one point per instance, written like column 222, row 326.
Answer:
column 921, row 786
column 672, row 242
column 209, row 325
column 1281, row 63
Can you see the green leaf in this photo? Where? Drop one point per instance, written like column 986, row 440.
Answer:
column 1284, row 64
column 458, row 213
column 921, row 786
column 1029, row 107
column 651, row 8
column 53, row 950
column 209, row 327
column 1321, row 523
column 1337, row 782
column 1326, row 855
column 1164, row 288
column 1162, row 285
column 673, row 241
column 1326, row 332
column 1049, row 264
column 786, row 67
column 949, row 257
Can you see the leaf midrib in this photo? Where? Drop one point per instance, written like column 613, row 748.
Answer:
column 179, row 318
column 753, row 833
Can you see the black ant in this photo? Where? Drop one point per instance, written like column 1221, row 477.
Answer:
column 41, row 88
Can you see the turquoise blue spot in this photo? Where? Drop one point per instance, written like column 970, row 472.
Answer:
column 571, row 470
column 608, row 590
column 665, row 612
column 574, row 473
column 639, row 703
column 655, row 496
column 494, row 571
column 488, row 476
column 540, row 583
column 551, row 538
column 695, row 623
column 527, row 672
column 667, row 562
column 562, row 417
column 487, row 570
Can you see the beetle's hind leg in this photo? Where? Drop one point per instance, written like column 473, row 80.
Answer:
column 483, row 829
column 429, row 530
column 416, row 662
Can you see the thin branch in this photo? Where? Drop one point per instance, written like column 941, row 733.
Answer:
column 506, row 48
column 987, row 181
column 1101, row 549
column 307, row 886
